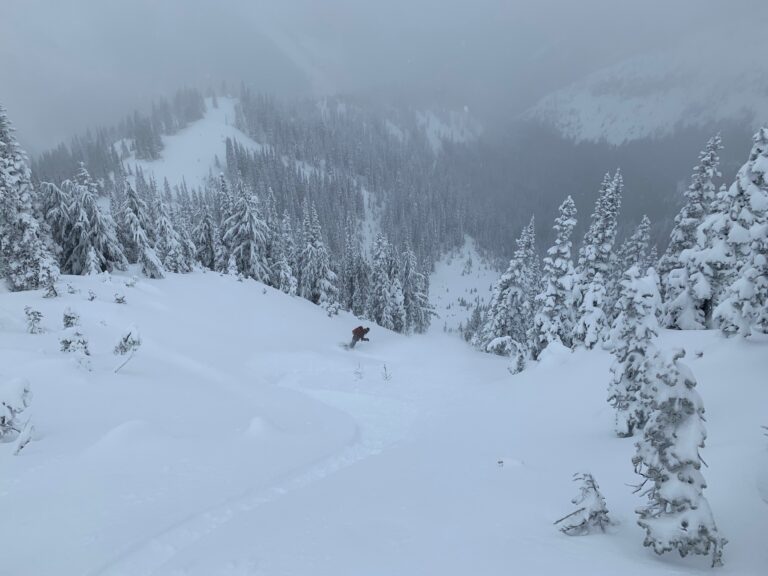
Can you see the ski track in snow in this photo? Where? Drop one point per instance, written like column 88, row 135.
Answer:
column 147, row 556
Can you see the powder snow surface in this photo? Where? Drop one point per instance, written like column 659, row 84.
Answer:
column 244, row 440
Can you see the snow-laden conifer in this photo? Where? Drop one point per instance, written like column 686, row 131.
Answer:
column 636, row 326
column 596, row 258
column 317, row 280
column 26, row 261
column 134, row 223
column 745, row 300
column 206, row 239
column 511, row 310
column 683, row 308
column 168, row 241
column 677, row 516
column 245, row 235
column 381, row 308
column 591, row 321
column 554, row 320
column 415, row 284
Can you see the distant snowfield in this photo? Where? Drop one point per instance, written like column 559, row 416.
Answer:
column 191, row 153
column 244, row 440
column 652, row 96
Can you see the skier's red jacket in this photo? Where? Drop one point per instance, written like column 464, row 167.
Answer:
column 359, row 332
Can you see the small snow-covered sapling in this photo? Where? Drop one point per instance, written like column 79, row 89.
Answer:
column 132, row 282
column 91, row 295
column 33, row 320
column 73, row 341
column 128, row 344
column 50, row 288
column 71, row 289
column 15, row 397
column 592, row 512
column 386, row 375
column 71, row 318
column 119, row 298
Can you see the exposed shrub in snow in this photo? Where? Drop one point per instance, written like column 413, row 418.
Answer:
column 15, row 397
column 71, row 318
column 119, row 298
column 33, row 320
column 73, row 341
column 592, row 513
column 677, row 515
column 91, row 295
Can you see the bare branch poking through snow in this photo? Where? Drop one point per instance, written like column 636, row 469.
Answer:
column 25, row 437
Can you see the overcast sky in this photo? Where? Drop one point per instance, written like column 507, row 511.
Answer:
column 67, row 64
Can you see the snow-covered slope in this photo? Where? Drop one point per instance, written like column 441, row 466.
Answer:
column 653, row 95
column 462, row 279
column 243, row 440
column 451, row 125
column 191, row 153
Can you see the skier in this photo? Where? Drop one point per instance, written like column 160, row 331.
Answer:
column 359, row 334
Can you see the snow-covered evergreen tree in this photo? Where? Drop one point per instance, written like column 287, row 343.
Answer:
column 636, row 326
column 381, row 308
column 133, row 225
column 683, row 309
column 554, row 320
column 677, row 515
column 168, row 242
column 206, row 240
column 595, row 254
column 415, row 284
column 746, row 298
column 634, row 251
column 26, row 261
column 596, row 257
column 316, row 278
column 511, row 310
column 283, row 276
column 91, row 229
column 591, row 321
column 245, row 235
